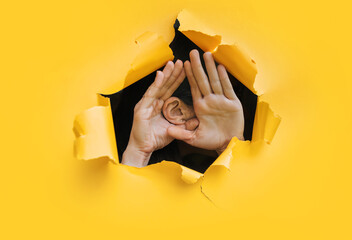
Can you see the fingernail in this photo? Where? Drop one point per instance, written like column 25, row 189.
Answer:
column 194, row 50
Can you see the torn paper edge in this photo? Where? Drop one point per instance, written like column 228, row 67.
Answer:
column 234, row 58
column 153, row 53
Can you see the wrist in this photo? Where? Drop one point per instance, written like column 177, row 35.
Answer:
column 134, row 157
column 221, row 149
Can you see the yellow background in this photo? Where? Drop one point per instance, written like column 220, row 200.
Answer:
column 56, row 55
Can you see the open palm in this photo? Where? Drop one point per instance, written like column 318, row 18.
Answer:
column 216, row 106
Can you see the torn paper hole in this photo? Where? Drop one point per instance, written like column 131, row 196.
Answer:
column 98, row 140
column 123, row 103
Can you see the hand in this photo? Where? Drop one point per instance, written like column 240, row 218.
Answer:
column 216, row 106
column 149, row 128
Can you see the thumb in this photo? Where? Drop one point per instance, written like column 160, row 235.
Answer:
column 181, row 133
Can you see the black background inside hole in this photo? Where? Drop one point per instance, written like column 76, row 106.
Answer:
column 123, row 102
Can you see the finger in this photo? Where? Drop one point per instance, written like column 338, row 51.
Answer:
column 196, row 94
column 175, row 85
column 181, row 134
column 192, row 124
column 167, row 71
column 199, row 74
column 175, row 80
column 212, row 73
column 178, row 66
column 226, row 83
column 152, row 92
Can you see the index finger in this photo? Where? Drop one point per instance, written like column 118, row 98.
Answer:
column 153, row 91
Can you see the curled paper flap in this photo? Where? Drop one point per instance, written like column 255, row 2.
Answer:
column 236, row 61
column 95, row 134
column 266, row 122
column 225, row 158
column 153, row 53
column 197, row 32
column 189, row 175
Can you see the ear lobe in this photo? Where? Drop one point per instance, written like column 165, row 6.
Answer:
column 173, row 111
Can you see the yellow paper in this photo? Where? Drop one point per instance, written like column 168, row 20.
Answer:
column 95, row 138
column 55, row 57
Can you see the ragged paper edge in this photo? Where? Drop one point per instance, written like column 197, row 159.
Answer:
column 190, row 176
column 234, row 58
column 266, row 122
column 98, row 140
column 153, row 53
column 218, row 172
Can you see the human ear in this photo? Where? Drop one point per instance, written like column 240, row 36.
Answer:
column 176, row 111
